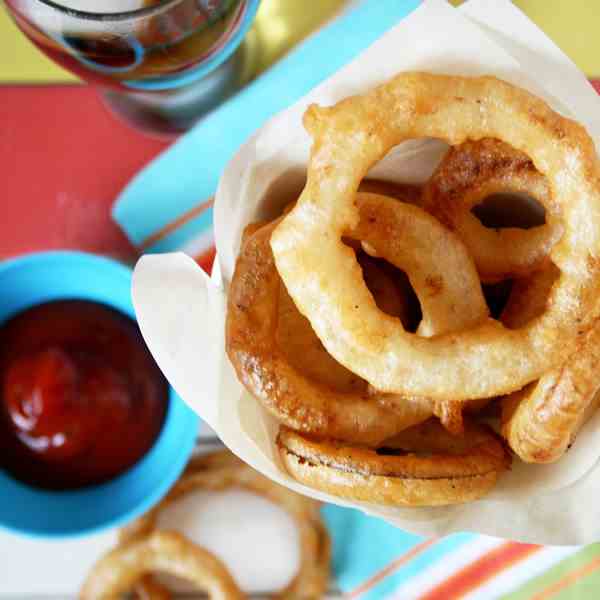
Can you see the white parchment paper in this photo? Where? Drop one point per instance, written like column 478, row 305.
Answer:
column 181, row 310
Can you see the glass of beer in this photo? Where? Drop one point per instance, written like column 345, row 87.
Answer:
column 162, row 63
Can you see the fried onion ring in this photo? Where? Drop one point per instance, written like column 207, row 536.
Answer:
column 466, row 176
column 450, row 296
column 422, row 466
column 438, row 265
column 324, row 281
column 222, row 470
column 166, row 551
column 541, row 421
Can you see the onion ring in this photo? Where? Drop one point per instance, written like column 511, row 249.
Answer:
column 323, row 278
column 541, row 420
column 438, row 265
column 467, row 175
column 450, row 296
column 166, row 551
column 222, row 470
column 426, row 466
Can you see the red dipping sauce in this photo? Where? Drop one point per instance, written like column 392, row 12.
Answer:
column 81, row 398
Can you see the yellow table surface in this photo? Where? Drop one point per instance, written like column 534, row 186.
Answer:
column 572, row 24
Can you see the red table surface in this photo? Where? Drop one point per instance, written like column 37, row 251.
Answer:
column 64, row 159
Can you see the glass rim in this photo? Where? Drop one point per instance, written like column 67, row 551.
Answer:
column 112, row 16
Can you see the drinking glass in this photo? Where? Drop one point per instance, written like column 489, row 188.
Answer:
column 162, row 63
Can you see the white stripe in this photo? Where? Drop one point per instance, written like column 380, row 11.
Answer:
column 515, row 576
column 441, row 570
column 199, row 244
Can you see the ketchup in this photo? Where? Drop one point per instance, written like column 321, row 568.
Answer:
column 81, row 398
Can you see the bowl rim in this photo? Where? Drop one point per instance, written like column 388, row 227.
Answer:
column 189, row 427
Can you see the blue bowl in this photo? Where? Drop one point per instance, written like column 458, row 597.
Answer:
column 48, row 276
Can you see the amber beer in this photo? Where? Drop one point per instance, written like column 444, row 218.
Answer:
column 158, row 49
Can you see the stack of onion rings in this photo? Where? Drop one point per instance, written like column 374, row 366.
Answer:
column 144, row 549
column 382, row 378
column 323, row 279
column 450, row 298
